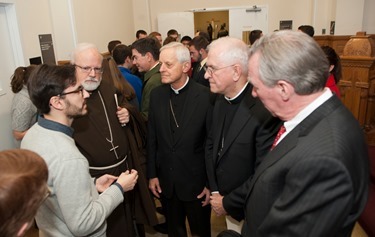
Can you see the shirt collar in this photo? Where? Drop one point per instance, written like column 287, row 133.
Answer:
column 177, row 91
column 55, row 126
column 291, row 124
column 231, row 100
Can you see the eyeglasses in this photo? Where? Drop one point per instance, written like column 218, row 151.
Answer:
column 210, row 70
column 97, row 70
column 78, row 90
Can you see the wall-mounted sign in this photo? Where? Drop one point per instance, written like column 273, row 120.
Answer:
column 46, row 47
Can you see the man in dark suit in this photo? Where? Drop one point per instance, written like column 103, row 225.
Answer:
column 179, row 118
column 314, row 181
column 198, row 54
column 242, row 129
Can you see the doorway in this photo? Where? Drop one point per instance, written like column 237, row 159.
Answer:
column 8, row 63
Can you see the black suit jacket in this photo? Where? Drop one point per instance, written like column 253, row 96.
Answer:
column 199, row 76
column 179, row 165
column 249, row 137
column 314, row 183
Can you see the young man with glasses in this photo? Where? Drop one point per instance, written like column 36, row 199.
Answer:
column 74, row 207
column 242, row 129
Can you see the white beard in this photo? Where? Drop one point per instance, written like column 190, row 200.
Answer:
column 91, row 84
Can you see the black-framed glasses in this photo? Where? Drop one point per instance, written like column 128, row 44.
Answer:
column 97, row 70
column 78, row 90
column 210, row 70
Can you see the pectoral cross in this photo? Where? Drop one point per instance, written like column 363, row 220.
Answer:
column 113, row 148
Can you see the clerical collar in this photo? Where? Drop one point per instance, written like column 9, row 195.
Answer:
column 238, row 97
column 55, row 126
column 177, row 91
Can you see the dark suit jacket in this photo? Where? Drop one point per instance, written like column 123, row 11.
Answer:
column 179, row 165
column 199, row 76
column 249, row 136
column 314, row 183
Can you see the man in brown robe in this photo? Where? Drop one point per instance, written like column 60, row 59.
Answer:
column 109, row 145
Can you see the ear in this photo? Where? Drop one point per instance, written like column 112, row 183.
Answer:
column 331, row 67
column 237, row 72
column 285, row 89
column 23, row 229
column 57, row 103
column 186, row 67
column 149, row 56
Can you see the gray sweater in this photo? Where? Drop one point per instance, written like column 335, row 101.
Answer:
column 74, row 207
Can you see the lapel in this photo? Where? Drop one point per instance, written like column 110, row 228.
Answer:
column 240, row 119
column 290, row 141
column 191, row 102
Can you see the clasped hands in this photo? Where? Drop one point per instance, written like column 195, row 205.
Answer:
column 216, row 201
column 127, row 180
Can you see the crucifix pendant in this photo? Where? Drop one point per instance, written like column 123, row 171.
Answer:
column 113, row 148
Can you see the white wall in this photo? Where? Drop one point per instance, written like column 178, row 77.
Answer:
column 349, row 16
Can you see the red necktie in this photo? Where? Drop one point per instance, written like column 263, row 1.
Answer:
column 281, row 132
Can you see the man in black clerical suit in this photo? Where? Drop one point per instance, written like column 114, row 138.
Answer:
column 198, row 54
column 315, row 180
column 242, row 129
column 179, row 120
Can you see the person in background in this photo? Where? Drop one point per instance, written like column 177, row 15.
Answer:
column 185, row 40
column 23, row 188
column 222, row 32
column 334, row 69
column 122, row 55
column 74, row 207
column 179, row 121
column 169, row 39
column 140, row 34
column 254, row 35
column 23, row 111
column 146, row 57
column 156, row 35
column 314, row 181
column 112, row 44
column 173, row 33
column 242, row 129
column 104, row 137
column 198, row 54
column 307, row 29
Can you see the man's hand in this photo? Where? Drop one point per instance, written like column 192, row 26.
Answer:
column 154, row 186
column 122, row 115
column 128, row 180
column 103, row 182
column 217, row 204
column 206, row 193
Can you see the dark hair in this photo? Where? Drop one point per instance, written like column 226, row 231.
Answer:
column 148, row 45
column 113, row 74
column 205, row 35
column 334, row 60
column 254, row 35
column 140, row 32
column 186, row 38
column 112, row 44
column 47, row 81
column 172, row 32
column 169, row 39
column 199, row 42
column 307, row 29
column 23, row 187
column 20, row 77
column 120, row 53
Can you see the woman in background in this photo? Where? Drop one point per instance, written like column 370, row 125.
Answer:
column 334, row 69
column 23, row 111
